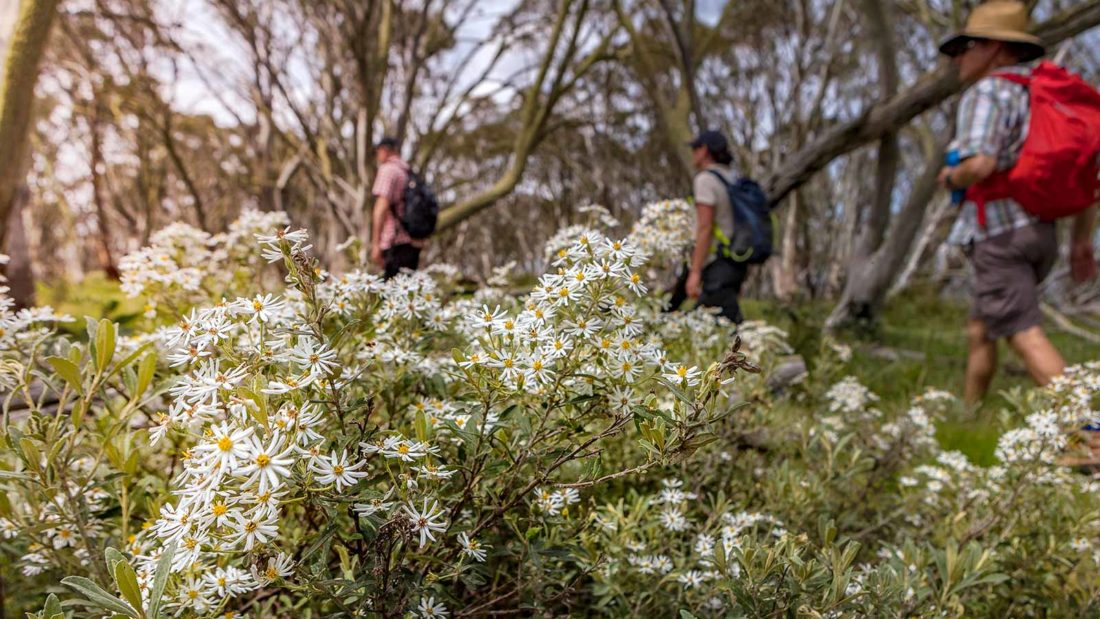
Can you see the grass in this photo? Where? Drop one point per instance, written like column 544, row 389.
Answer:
column 95, row 296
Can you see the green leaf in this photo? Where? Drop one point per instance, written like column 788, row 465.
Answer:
column 130, row 358
column 680, row 395
column 127, row 582
column 145, row 373
column 97, row 596
column 90, row 325
column 52, row 607
column 421, row 426
column 160, row 579
column 112, row 556
column 686, row 614
column 14, row 475
column 68, row 372
column 31, row 453
column 104, row 343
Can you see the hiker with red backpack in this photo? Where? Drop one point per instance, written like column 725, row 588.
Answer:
column 1025, row 153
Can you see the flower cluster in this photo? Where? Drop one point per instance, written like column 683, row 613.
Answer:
column 281, row 440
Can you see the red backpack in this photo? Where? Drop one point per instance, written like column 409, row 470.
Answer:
column 1058, row 171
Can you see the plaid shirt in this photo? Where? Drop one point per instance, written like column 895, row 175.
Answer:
column 992, row 120
column 390, row 183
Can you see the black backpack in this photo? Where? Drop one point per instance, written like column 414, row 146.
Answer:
column 421, row 208
column 752, row 222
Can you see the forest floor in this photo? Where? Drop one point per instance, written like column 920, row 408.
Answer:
column 919, row 342
column 916, row 344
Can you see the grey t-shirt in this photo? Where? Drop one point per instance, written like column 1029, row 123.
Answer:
column 709, row 190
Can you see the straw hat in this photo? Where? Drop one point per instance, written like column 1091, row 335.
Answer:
column 997, row 20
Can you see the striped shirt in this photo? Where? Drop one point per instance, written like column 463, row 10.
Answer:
column 992, row 120
column 390, row 183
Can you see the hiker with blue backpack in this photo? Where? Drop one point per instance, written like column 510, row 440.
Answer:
column 1026, row 153
column 404, row 215
column 733, row 229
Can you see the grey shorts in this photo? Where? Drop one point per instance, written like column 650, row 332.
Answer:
column 1007, row 271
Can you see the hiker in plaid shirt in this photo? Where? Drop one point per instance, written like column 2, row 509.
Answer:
column 392, row 248
column 1011, row 251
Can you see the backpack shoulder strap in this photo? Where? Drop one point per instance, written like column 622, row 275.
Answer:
column 1016, row 78
column 721, row 179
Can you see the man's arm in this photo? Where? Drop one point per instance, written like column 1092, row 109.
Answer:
column 378, row 219
column 704, row 229
column 970, row 172
column 977, row 140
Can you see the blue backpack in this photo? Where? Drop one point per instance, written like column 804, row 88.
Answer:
column 752, row 222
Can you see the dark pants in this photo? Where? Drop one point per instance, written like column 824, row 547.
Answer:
column 722, row 281
column 398, row 257
column 1007, row 271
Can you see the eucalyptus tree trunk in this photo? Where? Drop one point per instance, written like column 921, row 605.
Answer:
column 875, row 219
column 868, row 290
column 21, row 59
column 28, row 43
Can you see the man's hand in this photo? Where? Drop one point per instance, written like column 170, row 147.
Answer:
column 942, row 178
column 1082, row 263
column 694, row 284
column 376, row 256
column 970, row 172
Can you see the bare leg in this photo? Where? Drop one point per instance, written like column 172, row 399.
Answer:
column 1042, row 359
column 981, row 362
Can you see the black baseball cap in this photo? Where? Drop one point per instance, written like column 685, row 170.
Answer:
column 388, row 141
column 712, row 139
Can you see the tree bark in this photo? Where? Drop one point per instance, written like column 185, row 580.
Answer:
column 19, row 271
column 930, row 90
column 869, row 288
column 28, row 43
column 785, row 270
column 941, row 211
column 875, row 219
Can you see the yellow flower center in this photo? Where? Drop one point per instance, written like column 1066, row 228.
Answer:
column 263, row 460
column 225, row 443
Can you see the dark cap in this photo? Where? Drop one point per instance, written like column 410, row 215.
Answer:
column 713, row 140
column 388, row 141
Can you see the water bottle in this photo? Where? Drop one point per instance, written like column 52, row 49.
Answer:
column 957, row 195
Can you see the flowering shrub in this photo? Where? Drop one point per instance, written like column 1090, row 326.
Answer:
column 280, row 441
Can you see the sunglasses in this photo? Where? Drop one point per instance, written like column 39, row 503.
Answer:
column 965, row 46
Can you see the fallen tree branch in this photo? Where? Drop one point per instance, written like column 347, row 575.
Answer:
column 1066, row 325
